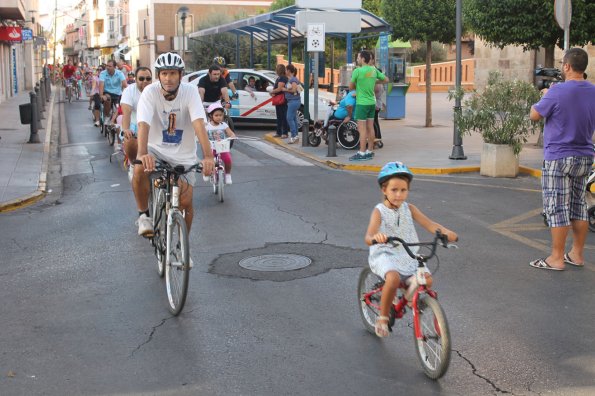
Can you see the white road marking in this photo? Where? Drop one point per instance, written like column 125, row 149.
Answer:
column 276, row 153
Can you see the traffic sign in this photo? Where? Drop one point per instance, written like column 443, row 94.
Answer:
column 334, row 21
column 27, row 34
column 330, row 4
column 563, row 13
column 315, row 37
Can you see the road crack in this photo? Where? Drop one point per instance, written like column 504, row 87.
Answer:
column 474, row 372
column 313, row 224
column 150, row 337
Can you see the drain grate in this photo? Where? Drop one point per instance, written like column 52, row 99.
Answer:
column 275, row 262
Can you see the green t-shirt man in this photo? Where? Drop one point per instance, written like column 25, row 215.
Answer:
column 365, row 78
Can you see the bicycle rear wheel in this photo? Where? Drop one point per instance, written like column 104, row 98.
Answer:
column 369, row 281
column 177, row 268
column 433, row 349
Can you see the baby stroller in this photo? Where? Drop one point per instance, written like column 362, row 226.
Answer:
column 590, row 198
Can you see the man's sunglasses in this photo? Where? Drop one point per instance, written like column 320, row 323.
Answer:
column 149, row 78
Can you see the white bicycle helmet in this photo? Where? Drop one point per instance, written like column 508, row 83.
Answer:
column 169, row 61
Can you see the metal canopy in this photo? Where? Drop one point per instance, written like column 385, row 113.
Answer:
column 277, row 24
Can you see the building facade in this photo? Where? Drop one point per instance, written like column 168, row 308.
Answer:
column 22, row 47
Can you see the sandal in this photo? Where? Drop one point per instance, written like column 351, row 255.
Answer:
column 381, row 326
column 568, row 260
column 542, row 264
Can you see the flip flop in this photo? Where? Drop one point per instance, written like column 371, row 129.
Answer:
column 568, row 260
column 542, row 264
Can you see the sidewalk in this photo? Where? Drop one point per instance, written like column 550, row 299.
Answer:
column 24, row 165
column 425, row 150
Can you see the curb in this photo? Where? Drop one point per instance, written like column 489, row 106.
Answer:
column 376, row 168
column 41, row 192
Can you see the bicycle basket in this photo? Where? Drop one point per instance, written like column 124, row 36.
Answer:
column 221, row 146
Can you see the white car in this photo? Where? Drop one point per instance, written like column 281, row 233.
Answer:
column 254, row 105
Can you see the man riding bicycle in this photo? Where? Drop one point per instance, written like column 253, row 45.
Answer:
column 167, row 114
column 220, row 61
column 213, row 88
column 129, row 103
column 111, row 83
column 68, row 75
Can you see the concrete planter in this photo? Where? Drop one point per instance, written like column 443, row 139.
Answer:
column 498, row 160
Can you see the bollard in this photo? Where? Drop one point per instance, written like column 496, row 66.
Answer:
column 332, row 141
column 42, row 92
column 305, row 131
column 33, row 137
column 48, row 89
column 39, row 107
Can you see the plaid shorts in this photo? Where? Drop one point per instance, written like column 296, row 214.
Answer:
column 564, row 183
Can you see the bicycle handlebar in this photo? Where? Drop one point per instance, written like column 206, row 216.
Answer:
column 178, row 169
column 438, row 238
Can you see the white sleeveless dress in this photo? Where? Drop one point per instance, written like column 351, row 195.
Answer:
column 385, row 257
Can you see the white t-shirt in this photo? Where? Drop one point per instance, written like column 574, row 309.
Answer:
column 130, row 97
column 216, row 132
column 171, row 134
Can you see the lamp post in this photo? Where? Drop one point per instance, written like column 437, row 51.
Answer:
column 183, row 14
column 457, row 147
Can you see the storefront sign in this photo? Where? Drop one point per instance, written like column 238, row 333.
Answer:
column 10, row 33
column 15, row 80
column 27, row 34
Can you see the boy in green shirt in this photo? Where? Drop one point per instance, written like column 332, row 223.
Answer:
column 363, row 80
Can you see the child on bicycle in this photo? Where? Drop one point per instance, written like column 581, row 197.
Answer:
column 217, row 129
column 394, row 217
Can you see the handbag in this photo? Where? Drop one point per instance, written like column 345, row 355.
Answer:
column 279, row 99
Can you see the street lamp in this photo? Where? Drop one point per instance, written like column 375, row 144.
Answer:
column 182, row 15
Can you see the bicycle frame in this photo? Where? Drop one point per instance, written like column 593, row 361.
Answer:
column 400, row 306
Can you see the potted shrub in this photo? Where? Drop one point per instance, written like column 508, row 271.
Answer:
column 500, row 113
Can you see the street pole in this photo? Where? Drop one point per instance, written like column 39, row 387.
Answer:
column 55, row 31
column 457, row 148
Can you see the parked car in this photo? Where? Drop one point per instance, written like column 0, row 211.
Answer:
column 254, row 105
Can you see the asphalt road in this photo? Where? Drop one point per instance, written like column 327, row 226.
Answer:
column 84, row 311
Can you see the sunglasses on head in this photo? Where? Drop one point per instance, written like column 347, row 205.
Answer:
column 148, row 78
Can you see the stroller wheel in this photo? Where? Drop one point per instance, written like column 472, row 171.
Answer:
column 591, row 213
column 378, row 144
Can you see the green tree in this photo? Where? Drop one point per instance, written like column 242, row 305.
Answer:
column 423, row 20
column 278, row 4
column 204, row 49
column 529, row 23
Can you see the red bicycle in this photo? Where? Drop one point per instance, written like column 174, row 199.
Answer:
column 430, row 328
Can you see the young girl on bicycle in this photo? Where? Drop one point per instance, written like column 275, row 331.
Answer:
column 217, row 129
column 394, row 217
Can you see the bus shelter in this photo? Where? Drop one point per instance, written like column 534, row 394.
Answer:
column 278, row 27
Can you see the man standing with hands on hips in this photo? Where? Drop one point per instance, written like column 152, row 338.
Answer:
column 569, row 112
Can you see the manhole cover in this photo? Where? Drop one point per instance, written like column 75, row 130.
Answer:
column 275, row 262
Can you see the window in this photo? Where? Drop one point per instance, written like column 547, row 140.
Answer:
column 112, row 24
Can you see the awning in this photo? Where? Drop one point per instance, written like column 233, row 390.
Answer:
column 277, row 24
column 122, row 50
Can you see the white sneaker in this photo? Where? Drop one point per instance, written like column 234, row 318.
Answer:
column 228, row 178
column 145, row 226
column 96, row 123
column 206, row 178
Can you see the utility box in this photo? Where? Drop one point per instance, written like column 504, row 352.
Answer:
column 26, row 113
column 395, row 101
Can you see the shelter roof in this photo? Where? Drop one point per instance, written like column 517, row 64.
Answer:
column 277, row 22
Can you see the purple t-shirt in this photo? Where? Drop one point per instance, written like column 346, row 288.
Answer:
column 569, row 110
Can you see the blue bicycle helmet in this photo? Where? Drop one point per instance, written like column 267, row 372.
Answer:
column 392, row 169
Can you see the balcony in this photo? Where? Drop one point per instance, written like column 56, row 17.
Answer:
column 13, row 9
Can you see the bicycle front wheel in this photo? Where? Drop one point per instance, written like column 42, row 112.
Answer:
column 368, row 281
column 433, row 349
column 221, row 183
column 177, row 268
column 157, row 208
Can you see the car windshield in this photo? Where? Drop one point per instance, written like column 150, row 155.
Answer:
column 270, row 75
